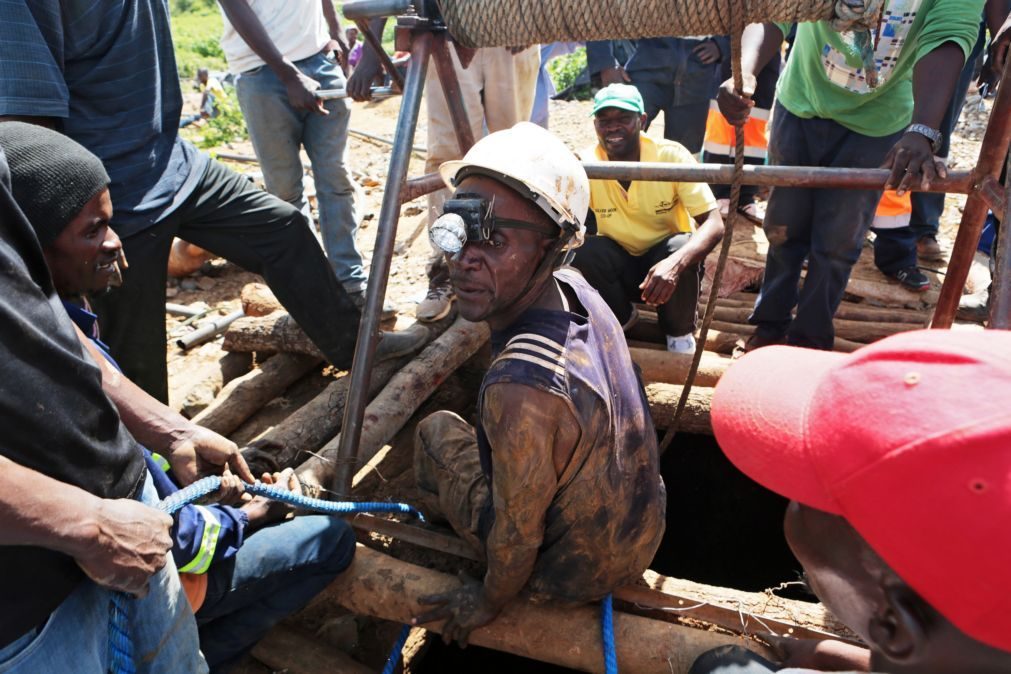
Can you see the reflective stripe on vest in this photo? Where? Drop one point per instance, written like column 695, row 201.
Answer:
column 720, row 134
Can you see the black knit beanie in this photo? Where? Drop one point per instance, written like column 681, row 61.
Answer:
column 52, row 176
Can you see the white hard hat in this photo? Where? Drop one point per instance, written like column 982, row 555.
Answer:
column 528, row 156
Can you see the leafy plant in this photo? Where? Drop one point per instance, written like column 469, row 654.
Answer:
column 227, row 126
column 565, row 70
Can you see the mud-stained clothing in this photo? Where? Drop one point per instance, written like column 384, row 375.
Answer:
column 606, row 519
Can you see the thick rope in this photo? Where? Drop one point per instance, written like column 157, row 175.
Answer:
column 506, row 23
column 607, row 635
column 728, row 238
column 121, row 655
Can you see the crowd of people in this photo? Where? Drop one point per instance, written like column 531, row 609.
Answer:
column 898, row 523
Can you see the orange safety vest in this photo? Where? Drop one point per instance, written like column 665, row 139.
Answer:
column 893, row 211
column 720, row 134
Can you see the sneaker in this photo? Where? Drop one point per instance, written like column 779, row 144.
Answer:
column 389, row 311
column 437, row 303
column 401, row 343
column 912, row 278
column 682, row 344
column 928, row 249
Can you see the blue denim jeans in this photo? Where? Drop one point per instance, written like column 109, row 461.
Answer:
column 824, row 226
column 76, row 635
column 276, row 572
column 278, row 132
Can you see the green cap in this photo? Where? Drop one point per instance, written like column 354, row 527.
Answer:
column 623, row 96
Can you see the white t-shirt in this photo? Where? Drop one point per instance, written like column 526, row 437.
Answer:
column 297, row 28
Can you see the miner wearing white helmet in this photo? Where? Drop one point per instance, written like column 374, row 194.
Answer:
column 558, row 488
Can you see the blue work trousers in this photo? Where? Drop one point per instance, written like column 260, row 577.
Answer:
column 75, row 638
column 826, row 227
column 276, row 572
column 278, row 133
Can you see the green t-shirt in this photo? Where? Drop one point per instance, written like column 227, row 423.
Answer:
column 824, row 76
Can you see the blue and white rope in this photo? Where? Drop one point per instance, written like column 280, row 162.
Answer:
column 121, row 656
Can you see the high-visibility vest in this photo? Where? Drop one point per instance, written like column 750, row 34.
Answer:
column 720, row 134
column 893, row 211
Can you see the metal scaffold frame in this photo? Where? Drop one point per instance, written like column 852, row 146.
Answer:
column 421, row 31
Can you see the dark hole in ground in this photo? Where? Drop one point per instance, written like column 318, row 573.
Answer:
column 722, row 529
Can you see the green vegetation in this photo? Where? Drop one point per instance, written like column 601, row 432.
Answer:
column 565, row 69
column 196, row 30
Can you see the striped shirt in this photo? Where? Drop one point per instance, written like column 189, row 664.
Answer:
column 106, row 68
column 606, row 519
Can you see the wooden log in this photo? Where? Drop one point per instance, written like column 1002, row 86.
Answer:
column 241, row 398
column 840, row 344
column 407, row 390
column 378, row 585
column 194, row 394
column 283, row 649
column 663, row 401
column 657, row 596
column 853, row 330
column 275, row 333
column 310, row 426
column 672, row 368
column 258, row 300
column 849, row 310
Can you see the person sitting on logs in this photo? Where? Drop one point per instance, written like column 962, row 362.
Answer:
column 645, row 248
column 243, row 568
column 558, row 487
column 900, row 524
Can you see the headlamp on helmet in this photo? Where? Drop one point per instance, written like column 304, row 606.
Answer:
column 470, row 218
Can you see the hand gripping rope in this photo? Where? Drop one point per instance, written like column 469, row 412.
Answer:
column 121, row 656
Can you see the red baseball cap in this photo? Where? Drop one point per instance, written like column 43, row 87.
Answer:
column 909, row 439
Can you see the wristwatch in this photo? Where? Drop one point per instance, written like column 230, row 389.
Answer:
column 933, row 135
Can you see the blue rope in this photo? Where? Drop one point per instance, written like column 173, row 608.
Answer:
column 607, row 635
column 121, row 656
column 394, row 657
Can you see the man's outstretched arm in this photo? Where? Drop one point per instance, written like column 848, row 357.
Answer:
column 118, row 543
column 192, row 450
column 527, row 429
column 760, row 42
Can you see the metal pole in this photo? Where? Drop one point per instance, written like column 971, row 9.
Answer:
column 363, row 10
column 377, row 92
column 1000, row 287
column 389, row 214
column 451, row 90
column 957, row 182
column 991, row 158
column 384, row 58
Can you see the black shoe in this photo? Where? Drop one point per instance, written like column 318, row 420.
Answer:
column 389, row 312
column 912, row 278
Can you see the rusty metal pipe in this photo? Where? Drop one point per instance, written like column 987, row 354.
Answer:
column 416, row 188
column 363, row 10
column 382, row 257
column 957, row 182
column 991, row 158
column 1000, row 287
column 384, row 58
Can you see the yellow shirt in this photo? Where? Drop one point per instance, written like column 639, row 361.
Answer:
column 648, row 212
